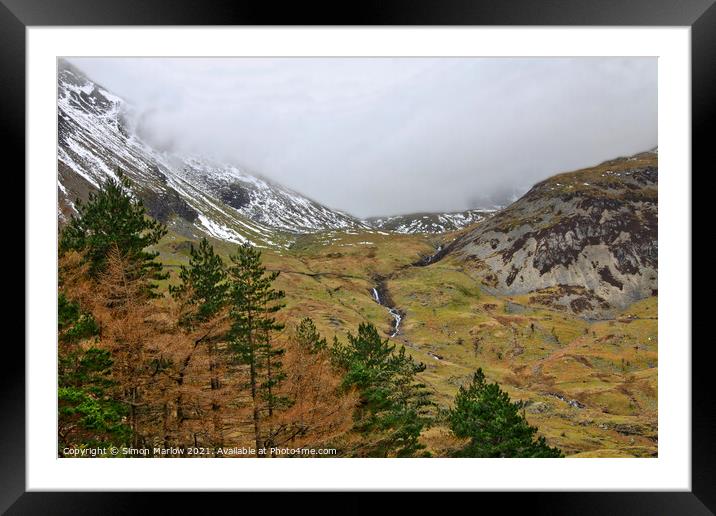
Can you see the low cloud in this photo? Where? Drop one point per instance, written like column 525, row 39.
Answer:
column 379, row 136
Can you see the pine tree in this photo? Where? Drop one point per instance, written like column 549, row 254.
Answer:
column 87, row 415
column 393, row 404
column 112, row 217
column 269, row 388
column 72, row 323
column 253, row 303
column 308, row 338
column 484, row 413
column 203, row 287
column 104, row 249
column 202, row 294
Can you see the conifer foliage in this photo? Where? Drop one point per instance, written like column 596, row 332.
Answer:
column 87, row 415
column 484, row 413
column 202, row 296
column 113, row 217
column 308, row 338
column 253, row 304
column 393, row 404
column 203, row 286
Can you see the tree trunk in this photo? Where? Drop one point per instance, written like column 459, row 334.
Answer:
column 270, row 392
column 215, row 407
column 254, row 390
column 257, row 415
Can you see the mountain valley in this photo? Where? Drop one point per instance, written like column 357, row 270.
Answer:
column 554, row 296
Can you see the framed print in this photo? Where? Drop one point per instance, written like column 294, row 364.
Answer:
column 425, row 249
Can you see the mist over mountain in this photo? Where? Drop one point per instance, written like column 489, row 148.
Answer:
column 378, row 136
column 195, row 194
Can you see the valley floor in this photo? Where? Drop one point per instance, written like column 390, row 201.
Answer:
column 590, row 386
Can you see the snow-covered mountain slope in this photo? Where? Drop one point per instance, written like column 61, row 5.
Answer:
column 430, row 222
column 192, row 194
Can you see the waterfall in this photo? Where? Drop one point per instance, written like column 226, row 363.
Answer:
column 396, row 315
column 392, row 311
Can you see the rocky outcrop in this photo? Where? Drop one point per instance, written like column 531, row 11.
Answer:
column 235, row 195
column 165, row 205
column 587, row 238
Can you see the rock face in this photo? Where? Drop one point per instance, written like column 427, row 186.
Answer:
column 585, row 241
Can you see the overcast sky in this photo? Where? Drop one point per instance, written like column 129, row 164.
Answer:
column 378, row 136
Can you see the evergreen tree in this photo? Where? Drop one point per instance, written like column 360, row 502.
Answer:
column 112, row 217
column 393, row 404
column 203, row 293
column 269, row 387
column 73, row 324
column 253, row 303
column 308, row 338
column 87, row 415
column 203, row 286
column 484, row 413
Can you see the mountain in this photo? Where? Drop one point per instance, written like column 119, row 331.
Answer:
column 195, row 195
column 519, row 292
column 585, row 241
column 192, row 194
column 429, row 222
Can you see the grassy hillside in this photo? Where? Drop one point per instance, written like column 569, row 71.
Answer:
column 591, row 386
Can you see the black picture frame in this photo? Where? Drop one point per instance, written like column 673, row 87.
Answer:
column 17, row 15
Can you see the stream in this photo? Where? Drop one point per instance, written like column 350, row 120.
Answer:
column 392, row 311
column 432, row 258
